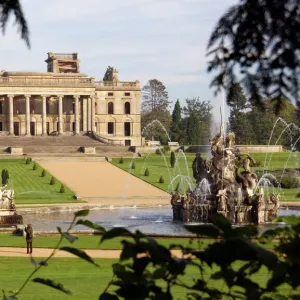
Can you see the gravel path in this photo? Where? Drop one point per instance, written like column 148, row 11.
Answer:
column 103, row 183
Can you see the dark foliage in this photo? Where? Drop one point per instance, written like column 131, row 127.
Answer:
column 257, row 43
column 146, row 173
column 8, row 7
column 52, row 181
column 172, row 159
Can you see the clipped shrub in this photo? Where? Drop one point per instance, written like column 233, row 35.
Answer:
column 121, row 161
column 133, row 166
column 28, row 161
column 43, row 173
column 159, row 151
column 161, row 179
column 52, row 181
column 172, row 159
column 177, row 188
column 146, row 172
column 288, row 182
column 4, row 176
column 166, row 148
column 34, row 166
column 62, row 189
column 298, row 195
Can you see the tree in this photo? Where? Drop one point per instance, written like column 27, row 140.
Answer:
column 43, row 174
column 197, row 122
column 257, row 43
column 236, row 98
column 108, row 74
column 176, row 130
column 155, row 96
column 52, row 181
column 62, row 189
column 7, row 7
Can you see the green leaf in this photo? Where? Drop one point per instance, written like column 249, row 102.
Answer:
column 118, row 231
column 222, row 223
column 159, row 273
column 204, row 230
column 38, row 263
column 82, row 213
column 67, row 236
column 79, row 253
column 90, row 224
column 52, row 284
column 289, row 220
column 107, row 296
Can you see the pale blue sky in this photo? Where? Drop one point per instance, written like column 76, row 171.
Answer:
column 143, row 39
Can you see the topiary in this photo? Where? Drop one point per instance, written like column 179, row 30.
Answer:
column 166, row 148
column 146, row 172
column 28, row 161
column 161, row 179
column 172, row 159
column 133, row 166
column 121, row 161
column 52, row 181
column 43, row 173
column 62, row 189
column 4, row 176
column 34, row 166
column 288, row 182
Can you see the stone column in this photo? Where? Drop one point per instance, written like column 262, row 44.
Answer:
column 44, row 116
column 84, row 114
column 94, row 99
column 89, row 115
column 60, row 114
column 77, row 125
column 27, row 115
column 11, row 114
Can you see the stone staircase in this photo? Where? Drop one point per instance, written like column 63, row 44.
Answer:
column 61, row 146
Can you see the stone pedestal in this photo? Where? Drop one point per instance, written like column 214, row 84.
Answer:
column 89, row 150
column 16, row 150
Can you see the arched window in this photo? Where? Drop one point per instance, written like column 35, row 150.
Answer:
column 48, row 106
column 110, row 108
column 1, row 108
column 127, row 108
column 96, row 108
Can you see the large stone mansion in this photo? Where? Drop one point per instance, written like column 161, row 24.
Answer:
column 63, row 101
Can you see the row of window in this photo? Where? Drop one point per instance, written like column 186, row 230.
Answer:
column 110, row 128
column 110, row 108
column 110, row 94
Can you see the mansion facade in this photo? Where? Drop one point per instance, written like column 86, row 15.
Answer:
column 63, row 101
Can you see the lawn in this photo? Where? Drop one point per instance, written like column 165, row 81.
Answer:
column 159, row 165
column 30, row 187
column 84, row 280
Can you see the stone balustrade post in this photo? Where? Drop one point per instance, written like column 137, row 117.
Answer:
column 84, row 114
column 89, row 115
column 93, row 112
column 27, row 114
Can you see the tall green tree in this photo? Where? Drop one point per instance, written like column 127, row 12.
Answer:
column 176, row 129
column 108, row 74
column 154, row 96
column 258, row 43
column 198, row 120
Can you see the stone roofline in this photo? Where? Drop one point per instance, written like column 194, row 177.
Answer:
column 46, row 74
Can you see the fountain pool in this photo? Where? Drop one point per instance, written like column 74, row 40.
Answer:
column 149, row 220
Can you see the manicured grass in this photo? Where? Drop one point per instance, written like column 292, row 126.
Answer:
column 157, row 166
column 85, row 281
column 30, row 187
column 91, row 242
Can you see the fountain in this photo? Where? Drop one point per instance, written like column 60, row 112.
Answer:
column 8, row 214
column 222, row 188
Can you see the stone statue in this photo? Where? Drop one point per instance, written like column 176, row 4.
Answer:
column 6, row 198
column 199, row 168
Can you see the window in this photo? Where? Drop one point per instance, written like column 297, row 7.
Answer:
column 1, row 108
column 127, row 128
column 110, row 94
column 127, row 108
column 110, row 108
column 48, row 106
column 127, row 94
column 110, row 127
column 96, row 108
column 31, row 107
column 1, row 126
column 73, row 108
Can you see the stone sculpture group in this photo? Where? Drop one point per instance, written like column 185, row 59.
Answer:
column 6, row 198
column 223, row 188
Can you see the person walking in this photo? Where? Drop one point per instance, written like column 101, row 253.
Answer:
column 29, row 237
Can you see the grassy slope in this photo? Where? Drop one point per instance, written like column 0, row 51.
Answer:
column 157, row 167
column 30, row 187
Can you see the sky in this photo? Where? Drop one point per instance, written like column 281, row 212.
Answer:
column 142, row 39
